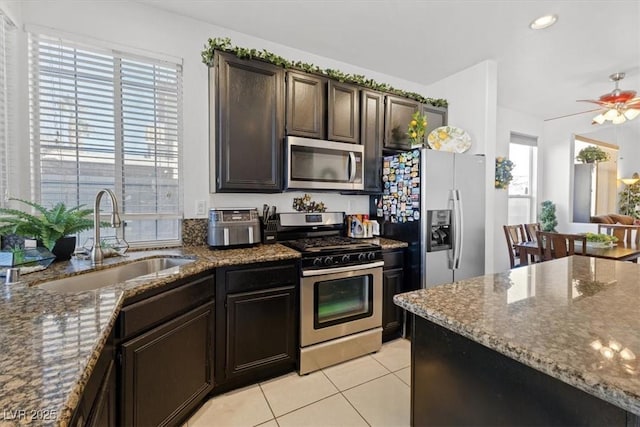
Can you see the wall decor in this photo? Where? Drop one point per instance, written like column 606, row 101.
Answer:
column 305, row 204
column 224, row 44
column 503, row 172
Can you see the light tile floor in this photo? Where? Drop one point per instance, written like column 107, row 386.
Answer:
column 372, row 390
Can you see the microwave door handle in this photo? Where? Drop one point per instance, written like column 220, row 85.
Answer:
column 352, row 166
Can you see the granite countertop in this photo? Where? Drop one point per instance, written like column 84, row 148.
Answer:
column 575, row 319
column 51, row 341
column 389, row 243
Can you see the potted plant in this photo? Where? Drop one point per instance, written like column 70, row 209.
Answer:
column 592, row 154
column 55, row 228
column 547, row 217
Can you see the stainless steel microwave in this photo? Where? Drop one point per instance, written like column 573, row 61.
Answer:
column 323, row 165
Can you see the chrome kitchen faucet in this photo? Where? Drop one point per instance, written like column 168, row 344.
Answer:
column 96, row 252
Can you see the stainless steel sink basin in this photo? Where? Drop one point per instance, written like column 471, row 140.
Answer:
column 153, row 267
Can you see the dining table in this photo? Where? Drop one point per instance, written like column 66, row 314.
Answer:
column 622, row 251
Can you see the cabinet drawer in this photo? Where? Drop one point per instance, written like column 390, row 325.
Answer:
column 248, row 279
column 393, row 259
column 144, row 314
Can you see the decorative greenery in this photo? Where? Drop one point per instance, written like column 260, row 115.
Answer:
column 224, row 44
column 416, row 128
column 629, row 199
column 592, row 154
column 305, row 204
column 547, row 216
column 600, row 238
column 503, row 172
column 51, row 225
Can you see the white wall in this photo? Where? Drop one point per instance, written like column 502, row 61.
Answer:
column 510, row 121
column 472, row 96
column 143, row 28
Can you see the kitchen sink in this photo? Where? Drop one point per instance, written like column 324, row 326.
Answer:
column 153, row 267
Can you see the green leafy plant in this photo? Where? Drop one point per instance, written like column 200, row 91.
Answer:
column 47, row 227
column 592, row 154
column 416, row 128
column 629, row 199
column 600, row 238
column 503, row 172
column 547, row 217
column 224, row 44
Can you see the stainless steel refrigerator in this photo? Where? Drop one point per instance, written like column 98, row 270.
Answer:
column 435, row 201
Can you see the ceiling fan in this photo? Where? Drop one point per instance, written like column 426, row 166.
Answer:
column 618, row 106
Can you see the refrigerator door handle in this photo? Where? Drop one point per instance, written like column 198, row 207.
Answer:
column 457, row 229
column 352, row 166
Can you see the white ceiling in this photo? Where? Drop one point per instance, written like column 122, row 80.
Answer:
column 541, row 73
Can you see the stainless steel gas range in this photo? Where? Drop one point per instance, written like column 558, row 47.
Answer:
column 340, row 289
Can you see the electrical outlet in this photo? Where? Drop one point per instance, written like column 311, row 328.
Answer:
column 201, row 207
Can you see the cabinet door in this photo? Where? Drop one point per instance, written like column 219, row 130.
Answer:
column 167, row 371
column 436, row 117
column 371, row 136
column 261, row 330
column 305, row 105
column 103, row 413
column 343, row 121
column 249, row 125
column 392, row 283
column 396, row 121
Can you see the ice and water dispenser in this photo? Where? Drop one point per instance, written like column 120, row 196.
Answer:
column 440, row 230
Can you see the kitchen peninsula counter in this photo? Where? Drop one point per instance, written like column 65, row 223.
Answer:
column 51, row 341
column 555, row 342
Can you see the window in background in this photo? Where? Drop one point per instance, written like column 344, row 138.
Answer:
column 523, row 152
column 7, row 119
column 104, row 119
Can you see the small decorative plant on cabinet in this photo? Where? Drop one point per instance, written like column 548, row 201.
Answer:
column 503, row 172
column 547, row 217
column 416, row 129
column 592, row 154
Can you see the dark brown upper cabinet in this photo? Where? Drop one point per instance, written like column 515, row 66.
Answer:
column 436, row 117
column 371, row 136
column 343, row 112
column 248, row 124
column 306, row 105
column 397, row 117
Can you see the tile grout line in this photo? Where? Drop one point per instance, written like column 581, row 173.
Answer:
column 269, row 405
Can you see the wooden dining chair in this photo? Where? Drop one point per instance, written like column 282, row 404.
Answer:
column 559, row 245
column 625, row 233
column 531, row 230
column 514, row 234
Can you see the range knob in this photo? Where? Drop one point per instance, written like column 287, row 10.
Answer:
column 317, row 261
column 371, row 256
column 328, row 260
column 346, row 258
column 362, row 257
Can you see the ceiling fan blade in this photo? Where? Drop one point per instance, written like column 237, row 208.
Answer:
column 634, row 104
column 571, row 115
column 593, row 101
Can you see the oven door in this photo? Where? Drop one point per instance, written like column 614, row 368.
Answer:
column 340, row 301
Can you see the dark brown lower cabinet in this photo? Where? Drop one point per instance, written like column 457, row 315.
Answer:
column 257, row 332
column 168, row 370
column 392, row 284
column 97, row 406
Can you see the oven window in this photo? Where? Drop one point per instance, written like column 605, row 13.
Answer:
column 342, row 300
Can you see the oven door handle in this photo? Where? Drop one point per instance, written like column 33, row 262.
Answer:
column 324, row 271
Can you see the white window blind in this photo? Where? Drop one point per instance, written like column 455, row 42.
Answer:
column 7, row 67
column 105, row 119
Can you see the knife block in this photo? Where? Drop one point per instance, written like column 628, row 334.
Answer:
column 269, row 231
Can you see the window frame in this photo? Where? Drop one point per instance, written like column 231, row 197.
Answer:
column 532, row 143
column 118, row 55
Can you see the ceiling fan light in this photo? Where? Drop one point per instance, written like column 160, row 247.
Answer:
column 611, row 114
column 631, row 113
column 543, row 22
column 599, row 119
column 620, row 118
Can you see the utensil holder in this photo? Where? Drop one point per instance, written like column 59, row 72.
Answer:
column 269, row 231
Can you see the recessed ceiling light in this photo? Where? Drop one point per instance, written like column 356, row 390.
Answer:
column 543, row 22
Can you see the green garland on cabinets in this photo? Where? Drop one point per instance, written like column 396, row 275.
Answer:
column 224, row 44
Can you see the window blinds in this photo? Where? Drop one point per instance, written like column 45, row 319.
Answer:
column 7, row 63
column 104, row 119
